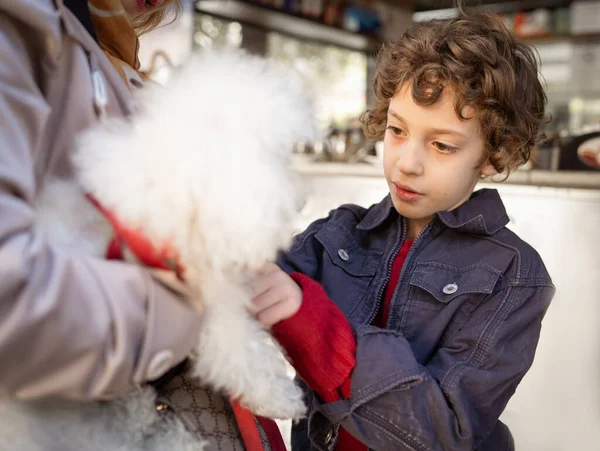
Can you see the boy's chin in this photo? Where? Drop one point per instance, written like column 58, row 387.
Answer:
column 410, row 211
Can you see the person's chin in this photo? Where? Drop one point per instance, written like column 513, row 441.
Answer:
column 408, row 210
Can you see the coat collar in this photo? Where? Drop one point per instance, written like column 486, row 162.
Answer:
column 482, row 214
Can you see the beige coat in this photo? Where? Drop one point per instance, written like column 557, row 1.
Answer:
column 70, row 325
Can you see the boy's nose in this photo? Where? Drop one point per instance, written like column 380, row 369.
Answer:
column 410, row 158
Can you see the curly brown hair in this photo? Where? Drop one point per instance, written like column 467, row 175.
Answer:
column 148, row 22
column 485, row 66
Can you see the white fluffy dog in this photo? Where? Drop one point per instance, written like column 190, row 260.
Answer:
column 203, row 169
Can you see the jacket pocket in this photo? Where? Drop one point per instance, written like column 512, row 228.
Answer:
column 436, row 285
column 440, row 299
column 347, row 269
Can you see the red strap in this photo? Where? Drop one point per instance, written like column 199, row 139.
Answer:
column 144, row 250
column 273, row 433
column 248, row 428
column 114, row 251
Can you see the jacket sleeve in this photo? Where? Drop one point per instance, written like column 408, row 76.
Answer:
column 70, row 326
column 454, row 400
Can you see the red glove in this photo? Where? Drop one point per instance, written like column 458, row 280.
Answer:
column 319, row 341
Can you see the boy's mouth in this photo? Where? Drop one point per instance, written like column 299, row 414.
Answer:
column 405, row 192
column 406, row 188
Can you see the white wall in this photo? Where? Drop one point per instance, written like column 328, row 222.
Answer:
column 557, row 406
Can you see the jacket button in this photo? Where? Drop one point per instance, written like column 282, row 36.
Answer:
column 343, row 253
column 451, row 288
column 159, row 364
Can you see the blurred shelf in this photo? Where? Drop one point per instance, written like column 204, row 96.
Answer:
column 578, row 38
column 289, row 24
column 306, row 166
column 496, row 5
column 559, row 179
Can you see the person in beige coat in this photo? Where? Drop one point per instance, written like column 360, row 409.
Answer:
column 71, row 326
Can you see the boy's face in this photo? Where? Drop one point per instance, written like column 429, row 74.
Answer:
column 432, row 159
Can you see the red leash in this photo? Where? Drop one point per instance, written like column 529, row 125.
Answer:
column 247, row 424
column 248, row 428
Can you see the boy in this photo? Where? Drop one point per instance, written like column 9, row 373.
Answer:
column 413, row 321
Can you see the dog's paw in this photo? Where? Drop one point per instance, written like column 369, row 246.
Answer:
column 237, row 356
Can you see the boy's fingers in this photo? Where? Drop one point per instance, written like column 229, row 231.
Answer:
column 270, row 276
column 265, row 299
column 261, row 285
column 276, row 313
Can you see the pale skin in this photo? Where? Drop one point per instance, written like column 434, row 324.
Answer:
column 275, row 296
column 432, row 162
column 435, row 153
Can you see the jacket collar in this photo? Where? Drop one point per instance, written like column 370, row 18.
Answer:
column 482, row 214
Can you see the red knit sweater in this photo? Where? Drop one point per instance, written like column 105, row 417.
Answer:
column 321, row 343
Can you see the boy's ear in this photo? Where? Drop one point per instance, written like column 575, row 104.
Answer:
column 488, row 170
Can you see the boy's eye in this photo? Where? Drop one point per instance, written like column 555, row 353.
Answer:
column 395, row 130
column 444, row 148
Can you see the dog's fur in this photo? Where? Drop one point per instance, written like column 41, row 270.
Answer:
column 204, row 168
column 130, row 423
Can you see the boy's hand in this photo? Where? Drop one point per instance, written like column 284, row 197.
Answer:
column 275, row 296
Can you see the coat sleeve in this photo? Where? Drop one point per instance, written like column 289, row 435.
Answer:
column 70, row 326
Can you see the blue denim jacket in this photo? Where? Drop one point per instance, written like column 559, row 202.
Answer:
column 463, row 327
